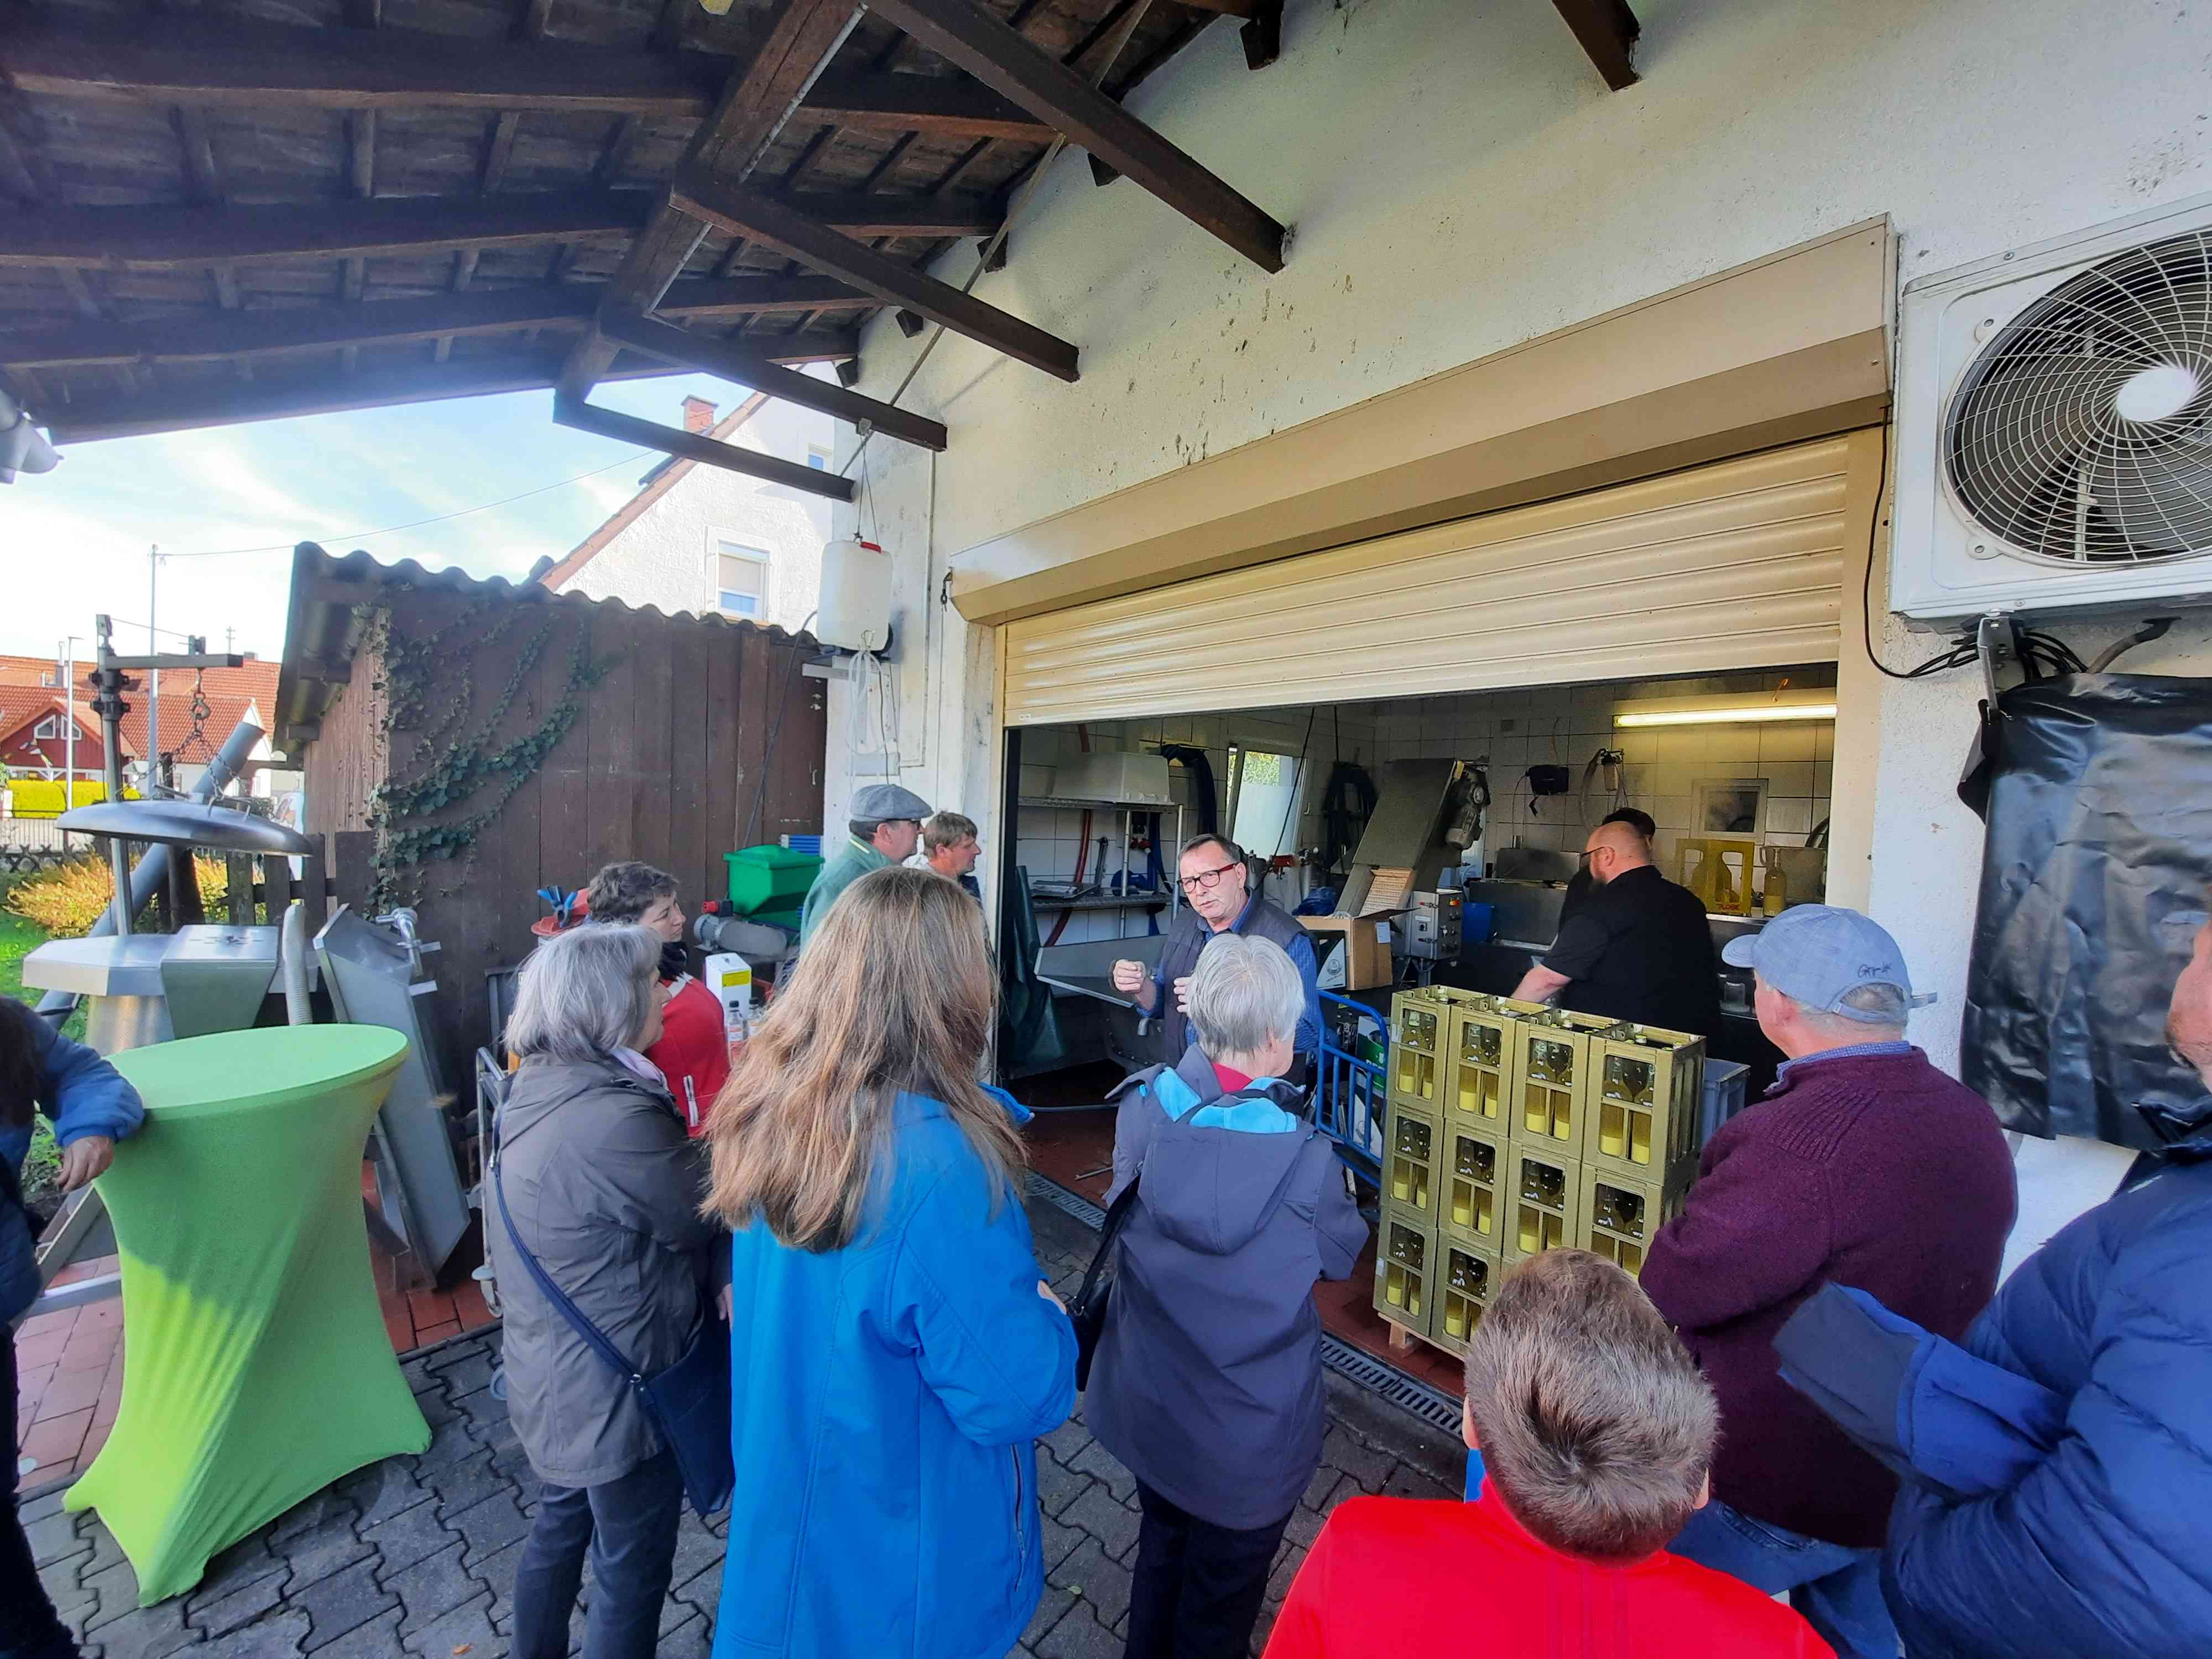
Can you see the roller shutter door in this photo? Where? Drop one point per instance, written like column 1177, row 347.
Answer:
column 1735, row 565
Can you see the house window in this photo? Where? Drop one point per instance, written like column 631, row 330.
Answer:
column 49, row 727
column 740, row 580
column 819, row 460
column 1264, row 818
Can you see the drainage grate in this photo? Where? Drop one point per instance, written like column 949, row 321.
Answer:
column 1408, row 1393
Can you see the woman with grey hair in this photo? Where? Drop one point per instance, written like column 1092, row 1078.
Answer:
column 598, row 1182
column 1208, row 1379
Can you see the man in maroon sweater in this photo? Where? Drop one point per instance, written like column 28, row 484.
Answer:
column 1864, row 1166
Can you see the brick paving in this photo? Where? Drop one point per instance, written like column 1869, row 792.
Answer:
column 417, row 1555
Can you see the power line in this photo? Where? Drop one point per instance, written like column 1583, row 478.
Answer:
column 631, row 459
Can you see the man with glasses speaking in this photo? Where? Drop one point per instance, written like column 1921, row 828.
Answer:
column 1217, row 885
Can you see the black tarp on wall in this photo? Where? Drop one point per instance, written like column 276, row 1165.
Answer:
column 2097, row 857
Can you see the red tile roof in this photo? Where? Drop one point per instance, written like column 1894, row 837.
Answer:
column 231, row 694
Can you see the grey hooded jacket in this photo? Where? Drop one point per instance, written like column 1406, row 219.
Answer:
column 1208, row 1379
column 604, row 1187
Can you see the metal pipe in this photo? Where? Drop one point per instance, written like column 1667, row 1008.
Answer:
column 111, row 741
column 292, row 964
column 154, row 868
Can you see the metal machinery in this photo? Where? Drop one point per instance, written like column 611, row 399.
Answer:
column 375, row 973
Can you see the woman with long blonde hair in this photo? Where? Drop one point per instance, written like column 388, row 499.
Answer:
column 895, row 1351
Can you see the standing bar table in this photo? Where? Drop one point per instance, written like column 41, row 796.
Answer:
column 257, row 1368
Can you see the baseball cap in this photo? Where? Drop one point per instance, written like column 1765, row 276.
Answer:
column 1819, row 954
column 883, row 803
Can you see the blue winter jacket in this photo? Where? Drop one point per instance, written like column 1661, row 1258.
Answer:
column 885, row 1398
column 2100, row 1547
column 84, row 1096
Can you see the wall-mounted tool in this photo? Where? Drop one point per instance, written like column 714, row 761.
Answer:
column 1543, row 781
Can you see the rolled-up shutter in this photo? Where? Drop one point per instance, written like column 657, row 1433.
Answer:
column 1735, row 565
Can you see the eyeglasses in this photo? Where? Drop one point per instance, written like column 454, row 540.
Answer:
column 1208, row 879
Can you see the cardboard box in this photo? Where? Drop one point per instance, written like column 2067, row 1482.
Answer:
column 1367, row 961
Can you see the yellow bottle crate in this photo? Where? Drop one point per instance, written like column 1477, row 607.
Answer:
column 1468, row 1280
column 1481, row 1056
column 1544, row 1192
column 1650, row 1084
column 1552, row 1081
column 1620, row 1215
column 1413, row 1141
column 1473, row 1172
column 1404, row 1265
column 1418, row 1022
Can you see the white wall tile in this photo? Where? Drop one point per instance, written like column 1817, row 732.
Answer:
column 1786, row 742
column 1787, row 779
column 1789, row 817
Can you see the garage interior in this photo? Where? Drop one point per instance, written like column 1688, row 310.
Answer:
column 1285, row 783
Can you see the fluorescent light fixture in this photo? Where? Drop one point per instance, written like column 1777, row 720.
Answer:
column 1754, row 708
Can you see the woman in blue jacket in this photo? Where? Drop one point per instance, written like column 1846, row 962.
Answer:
column 894, row 1351
column 92, row 1108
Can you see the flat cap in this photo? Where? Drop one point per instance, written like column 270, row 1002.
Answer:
column 880, row 803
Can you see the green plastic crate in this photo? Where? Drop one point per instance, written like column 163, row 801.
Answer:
column 769, row 879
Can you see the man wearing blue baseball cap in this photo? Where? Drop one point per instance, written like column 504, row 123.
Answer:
column 1864, row 1166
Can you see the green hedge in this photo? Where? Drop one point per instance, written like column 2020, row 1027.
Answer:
column 39, row 797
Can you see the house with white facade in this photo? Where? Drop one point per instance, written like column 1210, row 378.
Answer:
column 702, row 539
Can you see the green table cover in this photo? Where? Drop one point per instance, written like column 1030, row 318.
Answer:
column 257, row 1368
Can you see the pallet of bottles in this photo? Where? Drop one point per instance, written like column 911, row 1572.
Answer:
column 1512, row 1128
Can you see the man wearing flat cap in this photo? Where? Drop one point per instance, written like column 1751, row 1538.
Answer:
column 886, row 826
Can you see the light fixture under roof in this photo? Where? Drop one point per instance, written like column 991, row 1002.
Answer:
column 1751, row 709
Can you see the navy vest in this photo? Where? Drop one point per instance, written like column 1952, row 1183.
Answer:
column 1262, row 919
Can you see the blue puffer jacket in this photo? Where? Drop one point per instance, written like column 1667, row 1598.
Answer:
column 2100, row 1548
column 885, row 1398
column 84, row 1096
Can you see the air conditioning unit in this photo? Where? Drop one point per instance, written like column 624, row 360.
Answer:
column 2054, row 426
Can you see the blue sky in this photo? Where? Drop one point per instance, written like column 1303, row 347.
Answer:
column 73, row 541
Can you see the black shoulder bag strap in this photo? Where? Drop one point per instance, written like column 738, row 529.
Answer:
column 1088, row 1312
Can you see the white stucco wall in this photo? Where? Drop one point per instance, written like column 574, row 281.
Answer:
column 665, row 559
column 1460, row 180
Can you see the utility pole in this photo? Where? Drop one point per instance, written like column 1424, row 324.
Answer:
column 154, row 692
column 67, row 658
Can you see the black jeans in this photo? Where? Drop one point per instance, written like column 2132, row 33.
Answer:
column 629, row 1526
column 1198, row 1587
column 28, row 1626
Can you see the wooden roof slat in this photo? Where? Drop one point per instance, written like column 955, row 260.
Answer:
column 756, row 103
column 1607, row 30
column 750, row 213
column 226, row 403
column 168, row 237
column 962, row 33
column 756, row 368
column 290, row 330
column 165, row 60
column 921, row 103
column 574, row 412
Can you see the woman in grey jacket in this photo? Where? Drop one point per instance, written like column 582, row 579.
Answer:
column 1207, row 1380
column 604, row 1187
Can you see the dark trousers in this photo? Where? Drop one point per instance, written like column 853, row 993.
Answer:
column 1198, row 1587
column 28, row 1627
column 628, row 1528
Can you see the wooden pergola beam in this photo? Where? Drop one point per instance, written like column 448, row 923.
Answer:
column 1607, row 30
column 761, row 218
column 291, row 331
column 573, row 411
column 170, row 60
column 938, row 105
column 169, row 237
column 963, row 34
column 756, row 103
column 753, row 366
column 211, row 402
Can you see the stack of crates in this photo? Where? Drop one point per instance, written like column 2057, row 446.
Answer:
column 1514, row 1127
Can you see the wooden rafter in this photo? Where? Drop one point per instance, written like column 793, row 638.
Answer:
column 761, row 218
column 756, row 368
column 755, row 103
column 160, row 238
column 227, row 403
column 1607, row 30
column 291, row 331
column 965, row 35
column 179, row 60
column 573, row 411
column 938, row 105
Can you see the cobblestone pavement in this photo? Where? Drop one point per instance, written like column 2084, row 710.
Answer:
column 417, row 1555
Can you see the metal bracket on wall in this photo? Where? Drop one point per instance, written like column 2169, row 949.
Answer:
column 1996, row 640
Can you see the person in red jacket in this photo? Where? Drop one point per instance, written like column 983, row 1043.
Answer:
column 1596, row 1434
column 693, row 1053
